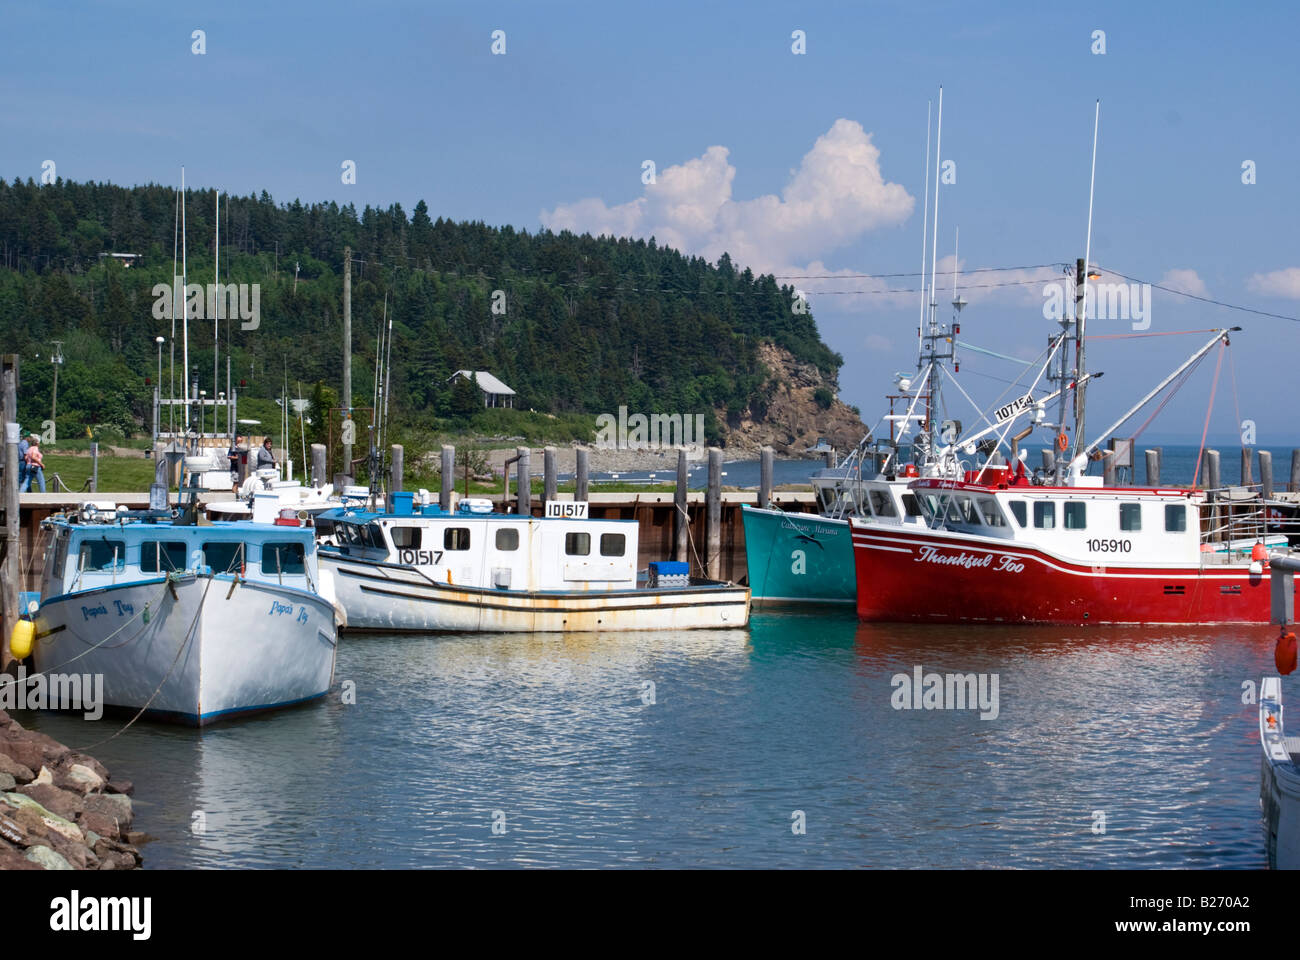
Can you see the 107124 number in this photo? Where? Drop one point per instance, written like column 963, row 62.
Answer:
column 1110, row 546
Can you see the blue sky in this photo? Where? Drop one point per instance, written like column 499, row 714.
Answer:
column 557, row 129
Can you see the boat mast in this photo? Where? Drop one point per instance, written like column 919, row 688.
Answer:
column 185, row 312
column 932, row 335
column 1083, row 302
column 925, row 226
column 216, row 306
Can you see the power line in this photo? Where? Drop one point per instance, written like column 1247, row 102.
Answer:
column 1192, row 296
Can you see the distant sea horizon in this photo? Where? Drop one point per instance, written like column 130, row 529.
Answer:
column 1178, row 466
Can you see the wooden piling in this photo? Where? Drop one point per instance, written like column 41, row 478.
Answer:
column 549, row 482
column 713, row 517
column 448, row 478
column 1294, row 485
column 767, row 458
column 1153, row 467
column 318, row 465
column 682, row 519
column 1246, row 456
column 524, row 493
column 582, row 473
column 829, row 458
column 1266, row 474
column 395, row 479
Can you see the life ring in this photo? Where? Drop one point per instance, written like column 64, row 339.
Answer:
column 1062, row 441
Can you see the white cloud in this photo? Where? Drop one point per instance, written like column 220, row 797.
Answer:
column 1185, row 281
column 878, row 343
column 837, row 194
column 1279, row 283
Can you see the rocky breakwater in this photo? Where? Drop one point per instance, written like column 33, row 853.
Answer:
column 59, row 809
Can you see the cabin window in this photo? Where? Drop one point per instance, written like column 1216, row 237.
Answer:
column 1076, row 516
column 60, row 556
column 911, row 505
column 372, row 536
column 1019, row 511
column 405, row 538
column 1044, row 515
column 455, row 538
column 223, row 557
column 1130, row 516
column 163, row 556
column 103, row 555
column 613, row 544
column 507, row 539
column 1175, row 517
column 882, row 504
column 577, row 544
column 965, row 511
column 281, row 558
column 989, row 510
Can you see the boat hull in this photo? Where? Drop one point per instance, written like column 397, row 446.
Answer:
column 933, row 576
column 211, row 648
column 386, row 597
column 798, row 558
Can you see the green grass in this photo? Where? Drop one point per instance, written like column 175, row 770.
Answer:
column 116, row 474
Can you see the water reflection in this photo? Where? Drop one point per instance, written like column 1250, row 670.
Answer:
column 696, row 748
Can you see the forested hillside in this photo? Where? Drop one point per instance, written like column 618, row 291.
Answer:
column 589, row 324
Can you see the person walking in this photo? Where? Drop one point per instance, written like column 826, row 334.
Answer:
column 23, row 444
column 35, row 465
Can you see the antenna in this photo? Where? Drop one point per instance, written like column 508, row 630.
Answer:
column 957, row 302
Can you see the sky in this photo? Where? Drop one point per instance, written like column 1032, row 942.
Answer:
column 811, row 164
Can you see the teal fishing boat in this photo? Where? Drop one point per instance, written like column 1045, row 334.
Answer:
column 798, row 558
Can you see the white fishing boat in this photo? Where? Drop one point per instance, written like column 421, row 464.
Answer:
column 1279, row 787
column 184, row 622
column 418, row 568
column 264, row 498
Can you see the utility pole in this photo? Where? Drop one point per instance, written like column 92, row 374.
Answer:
column 57, row 359
column 347, row 354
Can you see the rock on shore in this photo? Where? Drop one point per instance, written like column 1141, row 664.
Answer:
column 59, row 809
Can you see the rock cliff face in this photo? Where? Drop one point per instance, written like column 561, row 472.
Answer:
column 791, row 413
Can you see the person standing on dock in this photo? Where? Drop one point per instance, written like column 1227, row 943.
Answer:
column 22, row 460
column 35, row 465
column 265, row 458
column 233, row 456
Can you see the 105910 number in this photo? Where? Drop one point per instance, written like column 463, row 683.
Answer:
column 1110, row 546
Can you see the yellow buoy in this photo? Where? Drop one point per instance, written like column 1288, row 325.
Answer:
column 20, row 641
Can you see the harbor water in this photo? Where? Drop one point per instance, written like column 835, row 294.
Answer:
column 782, row 745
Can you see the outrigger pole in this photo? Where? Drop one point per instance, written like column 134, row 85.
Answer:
column 1219, row 335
